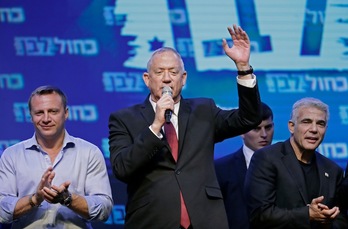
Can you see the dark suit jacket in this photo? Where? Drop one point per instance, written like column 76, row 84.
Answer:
column 343, row 194
column 231, row 171
column 276, row 190
column 154, row 180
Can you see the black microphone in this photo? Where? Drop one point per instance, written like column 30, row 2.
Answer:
column 168, row 113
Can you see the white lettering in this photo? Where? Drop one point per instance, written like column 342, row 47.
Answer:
column 123, row 82
column 11, row 81
column 21, row 112
column 86, row 113
column 12, row 15
column 48, row 46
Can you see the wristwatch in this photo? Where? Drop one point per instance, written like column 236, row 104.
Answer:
column 66, row 198
column 246, row 72
column 31, row 201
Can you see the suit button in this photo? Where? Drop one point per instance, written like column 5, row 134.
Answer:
column 177, row 172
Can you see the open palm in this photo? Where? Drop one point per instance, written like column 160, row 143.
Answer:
column 240, row 50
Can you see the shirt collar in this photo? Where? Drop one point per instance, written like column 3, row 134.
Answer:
column 248, row 153
column 32, row 143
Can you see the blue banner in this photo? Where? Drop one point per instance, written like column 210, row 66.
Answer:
column 97, row 51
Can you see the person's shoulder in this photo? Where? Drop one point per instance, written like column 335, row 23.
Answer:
column 88, row 149
column 128, row 109
column 21, row 144
column 224, row 160
column 228, row 159
column 274, row 146
column 83, row 143
column 198, row 100
column 17, row 147
column 273, row 150
column 328, row 162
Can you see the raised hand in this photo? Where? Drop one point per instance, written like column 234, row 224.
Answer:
column 240, row 50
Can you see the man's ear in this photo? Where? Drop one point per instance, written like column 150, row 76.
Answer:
column 146, row 78
column 291, row 126
column 66, row 113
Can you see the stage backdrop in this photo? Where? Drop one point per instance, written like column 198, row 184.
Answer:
column 97, row 50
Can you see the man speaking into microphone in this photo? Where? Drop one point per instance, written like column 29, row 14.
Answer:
column 163, row 148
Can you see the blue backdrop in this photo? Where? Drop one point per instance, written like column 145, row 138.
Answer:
column 96, row 51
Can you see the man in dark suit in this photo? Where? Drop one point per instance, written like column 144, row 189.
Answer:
column 165, row 192
column 231, row 170
column 291, row 185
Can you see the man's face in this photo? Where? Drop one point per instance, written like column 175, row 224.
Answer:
column 48, row 116
column 261, row 136
column 309, row 128
column 166, row 70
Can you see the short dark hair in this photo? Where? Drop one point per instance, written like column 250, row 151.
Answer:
column 266, row 111
column 48, row 89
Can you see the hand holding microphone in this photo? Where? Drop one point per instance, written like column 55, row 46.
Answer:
column 168, row 113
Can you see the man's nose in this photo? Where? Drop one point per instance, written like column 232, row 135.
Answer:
column 46, row 117
column 166, row 76
column 263, row 132
column 314, row 127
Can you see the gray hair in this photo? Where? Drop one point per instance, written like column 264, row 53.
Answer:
column 309, row 102
column 162, row 50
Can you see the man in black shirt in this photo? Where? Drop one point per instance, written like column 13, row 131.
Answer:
column 291, row 185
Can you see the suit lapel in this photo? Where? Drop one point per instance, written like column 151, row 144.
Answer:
column 183, row 117
column 240, row 166
column 184, row 114
column 324, row 176
column 147, row 111
column 291, row 163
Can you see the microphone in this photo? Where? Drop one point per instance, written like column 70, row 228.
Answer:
column 168, row 113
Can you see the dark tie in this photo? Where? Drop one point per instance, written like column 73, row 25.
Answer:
column 173, row 143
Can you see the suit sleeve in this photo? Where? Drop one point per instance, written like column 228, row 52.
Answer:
column 131, row 151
